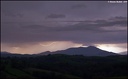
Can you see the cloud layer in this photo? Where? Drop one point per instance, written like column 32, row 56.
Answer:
column 102, row 31
column 56, row 16
column 25, row 24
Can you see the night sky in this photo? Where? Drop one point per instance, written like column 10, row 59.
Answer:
column 36, row 26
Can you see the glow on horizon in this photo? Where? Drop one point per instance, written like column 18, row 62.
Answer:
column 111, row 48
column 39, row 47
column 58, row 45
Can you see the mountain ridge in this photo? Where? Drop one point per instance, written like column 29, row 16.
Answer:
column 86, row 51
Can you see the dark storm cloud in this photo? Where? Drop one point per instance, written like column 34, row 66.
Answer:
column 119, row 18
column 21, row 5
column 54, row 16
column 77, row 6
column 87, row 22
column 34, row 27
column 15, row 10
column 12, row 14
column 94, row 25
column 90, row 32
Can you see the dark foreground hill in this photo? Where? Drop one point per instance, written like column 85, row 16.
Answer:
column 60, row 66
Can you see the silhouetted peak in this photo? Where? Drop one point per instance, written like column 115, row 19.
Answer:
column 92, row 47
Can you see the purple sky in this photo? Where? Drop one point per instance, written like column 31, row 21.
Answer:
column 37, row 26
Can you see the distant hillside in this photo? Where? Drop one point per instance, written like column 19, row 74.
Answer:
column 86, row 51
column 6, row 54
column 124, row 53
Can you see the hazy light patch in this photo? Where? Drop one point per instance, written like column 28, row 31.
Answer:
column 84, row 46
column 47, row 43
column 39, row 47
column 115, row 28
column 116, row 48
column 59, row 45
column 15, row 49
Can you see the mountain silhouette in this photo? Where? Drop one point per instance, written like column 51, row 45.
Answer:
column 4, row 53
column 86, row 51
